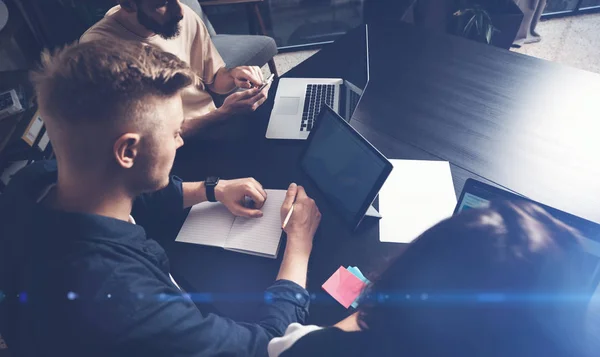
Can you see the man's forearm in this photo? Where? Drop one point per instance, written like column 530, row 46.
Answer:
column 223, row 83
column 193, row 193
column 192, row 127
column 294, row 266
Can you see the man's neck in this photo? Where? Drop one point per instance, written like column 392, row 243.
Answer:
column 130, row 22
column 80, row 195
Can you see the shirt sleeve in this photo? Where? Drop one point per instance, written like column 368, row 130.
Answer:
column 161, row 213
column 293, row 333
column 162, row 321
column 90, row 36
column 204, row 57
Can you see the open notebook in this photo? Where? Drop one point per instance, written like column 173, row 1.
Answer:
column 212, row 224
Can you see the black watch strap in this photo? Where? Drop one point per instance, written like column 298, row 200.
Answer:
column 210, row 183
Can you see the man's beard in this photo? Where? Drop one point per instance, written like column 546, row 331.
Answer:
column 167, row 31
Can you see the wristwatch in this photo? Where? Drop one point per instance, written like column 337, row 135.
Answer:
column 210, row 183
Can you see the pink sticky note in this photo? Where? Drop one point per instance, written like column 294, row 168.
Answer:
column 344, row 286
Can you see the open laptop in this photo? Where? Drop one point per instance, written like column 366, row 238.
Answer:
column 477, row 194
column 299, row 100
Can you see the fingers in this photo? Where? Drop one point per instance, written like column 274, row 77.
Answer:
column 265, row 90
column 253, row 190
column 242, row 83
column 258, row 96
column 260, row 190
column 290, row 197
column 259, row 74
column 257, row 100
column 248, row 76
column 256, row 196
column 251, row 74
column 301, row 193
column 255, row 75
column 248, row 97
column 245, row 95
column 237, row 192
column 247, row 100
column 258, row 104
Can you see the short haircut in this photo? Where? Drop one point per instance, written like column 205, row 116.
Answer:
column 99, row 81
column 439, row 297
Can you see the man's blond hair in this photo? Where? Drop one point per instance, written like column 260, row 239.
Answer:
column 102, row 81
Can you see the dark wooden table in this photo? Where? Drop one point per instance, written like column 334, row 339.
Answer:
column 525, row 124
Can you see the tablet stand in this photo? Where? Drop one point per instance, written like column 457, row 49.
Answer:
column 372, row 212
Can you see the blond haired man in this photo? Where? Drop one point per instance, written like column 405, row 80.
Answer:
column 92, row 282
column 175, row 28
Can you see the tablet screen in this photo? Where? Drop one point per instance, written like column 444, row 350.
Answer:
column 347, row 169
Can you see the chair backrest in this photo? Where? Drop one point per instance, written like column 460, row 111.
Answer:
column 195, row 5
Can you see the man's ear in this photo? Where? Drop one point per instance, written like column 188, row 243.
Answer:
column 128, row 5
column 126, row 149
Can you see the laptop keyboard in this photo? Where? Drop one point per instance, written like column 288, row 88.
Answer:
column 316, row 96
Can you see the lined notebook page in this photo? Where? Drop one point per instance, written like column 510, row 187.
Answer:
column 207, row 223
column 259, row 236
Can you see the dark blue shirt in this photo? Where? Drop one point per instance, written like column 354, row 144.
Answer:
column 90, row 285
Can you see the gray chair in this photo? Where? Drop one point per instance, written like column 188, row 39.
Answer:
column 239, row 50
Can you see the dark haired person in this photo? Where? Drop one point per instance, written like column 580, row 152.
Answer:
column 503, row 281
column 174, row 27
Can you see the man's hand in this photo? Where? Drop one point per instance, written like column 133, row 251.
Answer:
column 247, row 76
column 304, row 221
column 244, row 101
column 300, row 231
column 233, row 192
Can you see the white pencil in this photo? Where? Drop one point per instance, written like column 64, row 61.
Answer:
column 287, row 218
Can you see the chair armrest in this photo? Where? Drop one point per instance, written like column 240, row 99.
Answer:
column 227, row 2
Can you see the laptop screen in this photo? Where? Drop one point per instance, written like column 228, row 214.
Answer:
column 356, row 80
column 477, row 194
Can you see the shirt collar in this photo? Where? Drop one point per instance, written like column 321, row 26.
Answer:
column 86, row 225
column 92, row 226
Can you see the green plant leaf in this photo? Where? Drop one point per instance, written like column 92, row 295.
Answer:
column 479, row 23
column 468, row 26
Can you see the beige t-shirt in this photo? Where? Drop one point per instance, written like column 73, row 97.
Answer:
column 192, row 45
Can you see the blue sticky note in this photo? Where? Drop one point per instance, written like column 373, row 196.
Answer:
column 356, row 272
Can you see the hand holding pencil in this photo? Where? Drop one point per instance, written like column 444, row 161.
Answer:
column 300, row 217
column 287, row 218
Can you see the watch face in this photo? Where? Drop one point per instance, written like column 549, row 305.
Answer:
column 211, row 181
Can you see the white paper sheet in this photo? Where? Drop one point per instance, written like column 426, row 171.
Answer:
column 417, row 195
